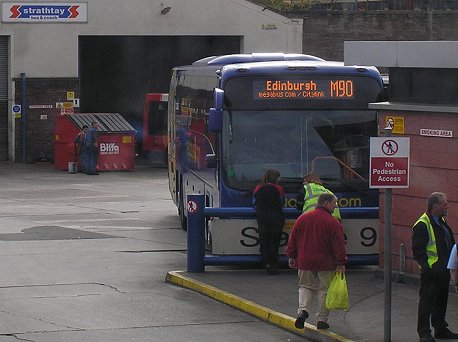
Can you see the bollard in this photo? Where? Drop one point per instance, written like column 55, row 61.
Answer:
column 402, row 258
column 195, row 206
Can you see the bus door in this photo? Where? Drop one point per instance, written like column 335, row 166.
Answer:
column 155, row 126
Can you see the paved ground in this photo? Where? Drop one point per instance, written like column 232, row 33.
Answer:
column 84, row 258
column 275, row 300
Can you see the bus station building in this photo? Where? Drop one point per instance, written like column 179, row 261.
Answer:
column 105, row 55
column 424, row 107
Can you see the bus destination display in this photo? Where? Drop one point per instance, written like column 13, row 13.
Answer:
column 329, row 89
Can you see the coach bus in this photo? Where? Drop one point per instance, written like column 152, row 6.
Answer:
column 155, row 126
column 232, row 117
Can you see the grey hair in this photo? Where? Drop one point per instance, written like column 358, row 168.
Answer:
column 326, row 197
column 435, row 198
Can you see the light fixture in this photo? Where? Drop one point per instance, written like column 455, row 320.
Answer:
column 166, row 10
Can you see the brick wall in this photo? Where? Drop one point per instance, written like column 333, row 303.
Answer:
column 40, row 121
column 433, row 167
column 325, row 32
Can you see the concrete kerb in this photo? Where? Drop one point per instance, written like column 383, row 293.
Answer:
column 276, row 318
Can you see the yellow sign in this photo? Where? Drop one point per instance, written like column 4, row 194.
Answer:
column 397, row 122
column 127, row 139
column 66, row 105
column 70, row 95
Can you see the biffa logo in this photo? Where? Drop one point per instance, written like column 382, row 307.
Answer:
column 109, row 148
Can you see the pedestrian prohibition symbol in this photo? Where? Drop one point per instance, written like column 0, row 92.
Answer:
column 389, row 162
column 390, row 147
column 192, row 207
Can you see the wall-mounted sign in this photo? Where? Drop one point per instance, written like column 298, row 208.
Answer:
column 28, row 12
column 436, row 133
column 66, row 111
column 397, row 122
column 40, row 106
column 269, row 26
column 17, row 111
column 66, row 105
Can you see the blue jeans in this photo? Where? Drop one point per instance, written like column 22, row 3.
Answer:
column 92, row 155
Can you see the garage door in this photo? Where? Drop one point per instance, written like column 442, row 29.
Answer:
column 3, row 98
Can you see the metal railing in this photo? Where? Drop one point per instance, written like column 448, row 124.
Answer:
column 197, row 214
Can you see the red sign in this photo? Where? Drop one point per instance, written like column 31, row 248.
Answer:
column 389, row 172
column 389, row 163
column 66, row 111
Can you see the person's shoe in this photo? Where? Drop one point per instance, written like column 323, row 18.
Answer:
column 427, row 338
column 322, row 325
column 300, row 320
column 445, row 334
column 272, row 270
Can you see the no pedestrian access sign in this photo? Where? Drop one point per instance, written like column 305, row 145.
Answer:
column 389, row 162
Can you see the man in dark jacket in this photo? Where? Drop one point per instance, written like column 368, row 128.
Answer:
column 269, row 198
column 432, row 241
column 316, row 247
column 80, row 148
column 92, row 148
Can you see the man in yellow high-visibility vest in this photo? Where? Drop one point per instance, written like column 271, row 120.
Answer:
column 308, row 195
column 432, row 241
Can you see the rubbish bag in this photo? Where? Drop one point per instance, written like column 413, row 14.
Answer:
column 337, row 296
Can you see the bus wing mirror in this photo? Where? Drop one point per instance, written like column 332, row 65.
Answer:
column 211, row 161
column 215, row 123
column 216, row 114
column 219, row 98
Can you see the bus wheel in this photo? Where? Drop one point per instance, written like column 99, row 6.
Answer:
column 183, row 218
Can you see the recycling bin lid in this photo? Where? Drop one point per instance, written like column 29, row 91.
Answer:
column 109, row 122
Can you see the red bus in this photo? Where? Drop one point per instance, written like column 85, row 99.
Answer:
column 155, row 126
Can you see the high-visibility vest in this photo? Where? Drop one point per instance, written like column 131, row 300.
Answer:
column 311, row 193
column 431, row 247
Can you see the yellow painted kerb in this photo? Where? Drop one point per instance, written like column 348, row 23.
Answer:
column 266, row 314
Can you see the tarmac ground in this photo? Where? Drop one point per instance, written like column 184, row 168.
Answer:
column 274, row 299
column 99, row 244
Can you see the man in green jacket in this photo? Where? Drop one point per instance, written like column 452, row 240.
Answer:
column 432, row 241
column 308, row 195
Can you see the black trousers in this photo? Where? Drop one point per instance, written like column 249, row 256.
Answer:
column 432, row 306
column 269, row 239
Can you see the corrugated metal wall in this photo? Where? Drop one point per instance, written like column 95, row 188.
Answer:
column 4, row 98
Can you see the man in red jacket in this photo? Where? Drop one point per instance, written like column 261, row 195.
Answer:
column 316, row 247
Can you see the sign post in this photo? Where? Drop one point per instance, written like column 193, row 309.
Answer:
column 389, row 162
column 389, row 168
